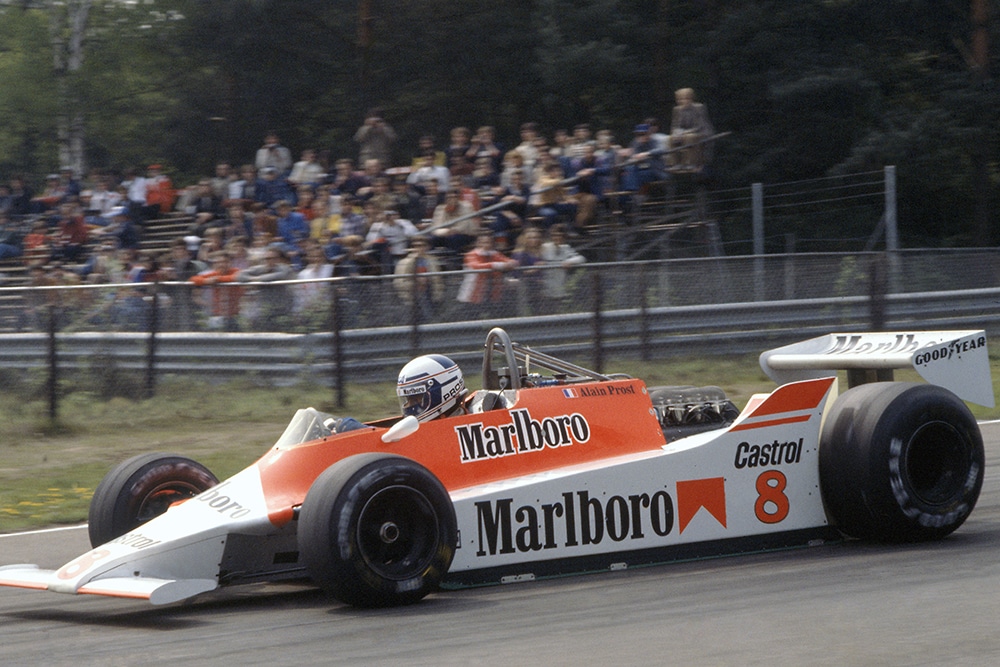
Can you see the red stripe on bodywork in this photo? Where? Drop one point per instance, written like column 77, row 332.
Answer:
column 795, row 397
column 771, row 422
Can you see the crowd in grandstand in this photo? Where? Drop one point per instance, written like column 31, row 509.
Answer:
column 469, row 204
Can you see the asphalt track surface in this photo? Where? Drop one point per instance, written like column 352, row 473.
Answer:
column 849, row 603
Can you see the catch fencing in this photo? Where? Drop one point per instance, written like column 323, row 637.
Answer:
column 124, row 339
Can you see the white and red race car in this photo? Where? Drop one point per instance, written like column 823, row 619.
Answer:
column 555, row 469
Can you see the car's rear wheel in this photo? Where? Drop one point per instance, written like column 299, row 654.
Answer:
column 377, row 530
column 140, row 489
column 900, row 462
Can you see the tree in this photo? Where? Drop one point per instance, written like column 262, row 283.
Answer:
column 67, row 30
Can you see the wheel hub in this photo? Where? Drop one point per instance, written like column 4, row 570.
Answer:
column 389, row 532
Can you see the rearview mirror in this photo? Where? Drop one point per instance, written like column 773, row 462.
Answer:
column 404, row 427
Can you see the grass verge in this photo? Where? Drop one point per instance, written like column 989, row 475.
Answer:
column 49, row 470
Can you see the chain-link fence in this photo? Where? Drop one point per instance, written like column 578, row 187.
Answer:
column 122, row 339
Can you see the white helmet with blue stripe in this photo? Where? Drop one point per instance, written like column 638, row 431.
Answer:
column 430, row 386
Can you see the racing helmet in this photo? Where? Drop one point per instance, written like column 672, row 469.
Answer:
column 430, row 386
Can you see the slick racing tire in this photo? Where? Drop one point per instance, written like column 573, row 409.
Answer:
column 377, row 530
column 140, row 489
column 900, row 462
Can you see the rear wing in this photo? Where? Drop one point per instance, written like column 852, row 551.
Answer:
column 955, row 360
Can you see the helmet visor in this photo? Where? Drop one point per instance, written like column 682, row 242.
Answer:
column 415, row 404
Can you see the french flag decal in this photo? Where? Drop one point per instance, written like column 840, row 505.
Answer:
column 571, row 393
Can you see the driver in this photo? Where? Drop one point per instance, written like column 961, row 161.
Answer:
column 431, row 386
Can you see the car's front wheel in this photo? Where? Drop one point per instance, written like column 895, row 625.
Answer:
column 140, row 489
column 377, row 530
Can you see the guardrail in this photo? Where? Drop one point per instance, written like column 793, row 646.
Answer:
column 375, row 354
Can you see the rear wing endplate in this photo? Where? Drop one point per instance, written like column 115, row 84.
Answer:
column 956, row 360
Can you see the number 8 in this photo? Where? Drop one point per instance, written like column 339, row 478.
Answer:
column 771, row 489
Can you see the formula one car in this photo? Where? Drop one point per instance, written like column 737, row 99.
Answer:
column 553, row 469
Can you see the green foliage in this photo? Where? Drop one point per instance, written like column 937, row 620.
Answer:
column 27, row 101
column 807, row 88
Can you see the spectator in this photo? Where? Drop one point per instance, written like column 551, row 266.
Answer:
column 51, row 195
column 375, row 138
column 224, row 300
column 528, row 277
column 484, row 176
column 690, row 125
column 292, row 229
column 352, row 295
column 508, row 221
column 426, row 144
column 557, row 252
column 482, row 288
column 214, row 243
column 373, row 169
column 272, row 302
column 263, row 221
column 528, row 148
column 429, row 171
column 71, row 234
column 68, row 183
column 406, row 201
column 272, row 188
column 180, row 267
column 455, row 226
column 345, row 180
column 514, row 162
column 136, row 190
column 37, row 244
column 418, row 275
column 354, row 262
column 382, row 193
column 20, row 197
column 102, row 201
column 259, row 247
column 104, row 265
column 239, row 252
column 644, row 164
column 11, row 238
column 6, row 200
column 323, row 222
column 206, row 208
column 661, row 140
column 577, row 146
column 236, row 223
column 311, row 296
column 429, row 200
column 591, row 173
column 304, row 196
column 456, row 155
column 307, row 171
column 244, row 188
column 389, row 237
column 273, row 155
column 357, row 223
column 35, row 313
column 160, row 193
column 484, row 145
column 551, row 197
column 223, row 180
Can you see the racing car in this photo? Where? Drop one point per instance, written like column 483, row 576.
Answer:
column 552, row 469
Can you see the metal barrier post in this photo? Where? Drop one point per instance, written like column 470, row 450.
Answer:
column 53, row 379
column 598, row 336
column 337, row 350
column 154, row 325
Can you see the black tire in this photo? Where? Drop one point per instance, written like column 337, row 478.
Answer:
column 900, row 462
column 140, row 489
column 377, row 530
